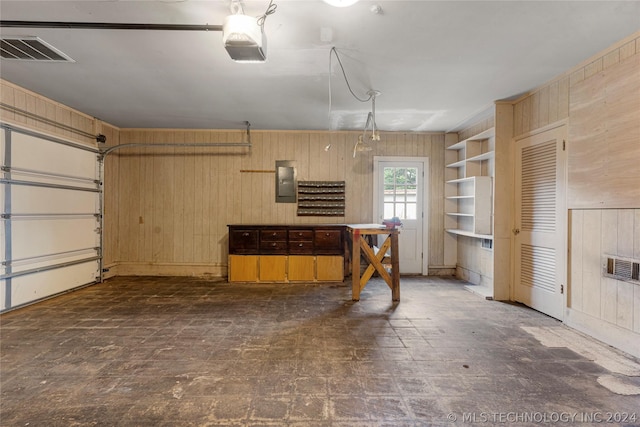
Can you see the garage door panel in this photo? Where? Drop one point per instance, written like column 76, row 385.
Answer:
column 33, row 287
column 42, row 237
column 50, row 231
column 39, row 200
column 29, row 152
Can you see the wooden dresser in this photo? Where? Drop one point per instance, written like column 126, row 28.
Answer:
column 286, row 253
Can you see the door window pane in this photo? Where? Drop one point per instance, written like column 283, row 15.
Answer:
column 400, row 192
column 388, row 210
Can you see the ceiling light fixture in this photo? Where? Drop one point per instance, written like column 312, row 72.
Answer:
column 341, row 3
column 362, row 143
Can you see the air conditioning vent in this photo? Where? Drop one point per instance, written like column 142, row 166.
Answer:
column 30, row 48
column 622, row 269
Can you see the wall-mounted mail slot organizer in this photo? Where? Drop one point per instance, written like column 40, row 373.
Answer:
column 321, row 198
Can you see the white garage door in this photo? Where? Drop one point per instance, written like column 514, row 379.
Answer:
column 50, row 231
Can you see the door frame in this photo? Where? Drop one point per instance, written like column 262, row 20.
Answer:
column 425, row 199
column 561, row 127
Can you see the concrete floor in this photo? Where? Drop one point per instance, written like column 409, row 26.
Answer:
column 183, row 352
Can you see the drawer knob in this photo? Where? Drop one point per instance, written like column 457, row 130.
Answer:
column 245, row 234
column 300, row 234
column 273, row 244
column 274, row 234
column 327, row 234
column 300, row 245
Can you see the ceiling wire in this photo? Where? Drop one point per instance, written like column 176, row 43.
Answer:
column 271, row 9
column 371, row 93
column 361, row 145
column 335, row 51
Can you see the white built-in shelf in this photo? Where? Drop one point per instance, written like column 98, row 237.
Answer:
column 460, row 180
column 458, row 164
column 458, row 145
column 484, row 156
column 470, row 196
column 469, row 234
column 471, row 153
column 489, row 133
column 470, row 207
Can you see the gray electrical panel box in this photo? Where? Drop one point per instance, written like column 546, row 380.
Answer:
column 286, row 184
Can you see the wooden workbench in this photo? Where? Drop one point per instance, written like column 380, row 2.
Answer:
column 375, row 260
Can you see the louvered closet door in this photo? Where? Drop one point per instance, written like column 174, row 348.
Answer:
column 541, row 233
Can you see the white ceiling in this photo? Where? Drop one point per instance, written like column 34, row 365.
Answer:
column 436, row 63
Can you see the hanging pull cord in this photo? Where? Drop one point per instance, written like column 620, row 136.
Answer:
column 271, row 9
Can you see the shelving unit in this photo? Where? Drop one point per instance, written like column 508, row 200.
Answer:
column 472, row 202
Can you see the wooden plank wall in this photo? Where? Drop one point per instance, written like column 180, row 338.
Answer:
column 616, row 303
column 600, row 102
column 550, row 103
column 174, row 204
column 17, row 97
column 604, row 135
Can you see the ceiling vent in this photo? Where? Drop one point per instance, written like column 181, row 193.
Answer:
column 30, row 48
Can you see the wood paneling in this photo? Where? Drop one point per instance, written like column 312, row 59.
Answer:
column 550, row 102
column 32, row 103
column 175, row 203
column 594, row 234
column 604, row 138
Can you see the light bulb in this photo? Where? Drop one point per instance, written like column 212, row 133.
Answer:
column 341, row 3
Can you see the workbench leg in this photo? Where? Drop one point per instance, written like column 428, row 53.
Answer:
column 395, row 268
column 355, row 267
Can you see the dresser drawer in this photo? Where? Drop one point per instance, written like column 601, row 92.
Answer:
column 301, row 235
column 268, row 247
column 301, row 247
column 273, row 235
column 328, row 241
column 243, row 241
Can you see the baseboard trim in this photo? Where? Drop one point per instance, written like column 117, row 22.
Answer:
column 166, row 269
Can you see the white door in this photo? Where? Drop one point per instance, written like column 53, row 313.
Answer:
column 399, row 189
column 541, row 227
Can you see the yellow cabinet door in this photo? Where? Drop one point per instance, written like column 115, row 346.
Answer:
column 301, row 268
column 329, row 268
column 243, row 268
column 273, row 268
